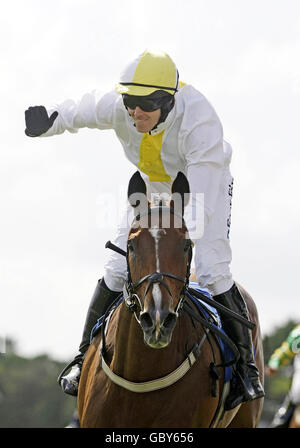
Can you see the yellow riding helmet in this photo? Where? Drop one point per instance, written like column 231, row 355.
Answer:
column 150, row 72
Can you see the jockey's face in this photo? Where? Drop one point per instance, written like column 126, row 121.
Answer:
column 144, row 121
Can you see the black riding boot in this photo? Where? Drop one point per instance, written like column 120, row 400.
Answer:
column 101, row 300
column 248, row 387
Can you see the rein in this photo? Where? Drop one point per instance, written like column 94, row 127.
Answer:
column 222, row 308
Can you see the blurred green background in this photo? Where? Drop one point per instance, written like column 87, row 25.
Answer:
column 31, row 398
column 29, row 394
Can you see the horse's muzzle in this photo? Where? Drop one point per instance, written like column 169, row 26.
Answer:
column 158, row 327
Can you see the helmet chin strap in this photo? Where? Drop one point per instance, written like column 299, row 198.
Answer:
column 165, row 110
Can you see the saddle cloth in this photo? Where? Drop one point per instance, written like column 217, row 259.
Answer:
column 206, row 310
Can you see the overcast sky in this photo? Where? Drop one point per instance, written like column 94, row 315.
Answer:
column 242, row 55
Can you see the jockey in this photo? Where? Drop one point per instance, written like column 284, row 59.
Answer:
column 164, row 126
column 287, row 353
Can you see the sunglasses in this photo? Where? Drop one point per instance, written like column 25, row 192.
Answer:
column 144, row 103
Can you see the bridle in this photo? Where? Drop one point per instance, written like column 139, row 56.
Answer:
column 130, row 288
column 131, row 298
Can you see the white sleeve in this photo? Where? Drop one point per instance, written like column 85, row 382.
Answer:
column 204, row 155
column 92, row 111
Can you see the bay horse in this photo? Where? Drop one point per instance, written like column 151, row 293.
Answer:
column 295, row 420
column 150, row 365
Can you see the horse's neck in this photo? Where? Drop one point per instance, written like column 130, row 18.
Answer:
column 130, row 351
column 133, row 359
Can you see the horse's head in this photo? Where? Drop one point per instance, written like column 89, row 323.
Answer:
column 159, row 255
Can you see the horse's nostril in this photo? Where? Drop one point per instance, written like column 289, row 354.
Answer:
column 146, row 321
column 170, row 321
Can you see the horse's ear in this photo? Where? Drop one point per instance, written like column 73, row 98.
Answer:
column 136, row 185
column 180, row 192
column 137, row 192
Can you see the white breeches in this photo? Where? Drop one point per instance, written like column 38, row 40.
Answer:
column 212, row 252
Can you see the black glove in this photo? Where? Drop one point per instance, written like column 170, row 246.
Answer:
column 37, row 121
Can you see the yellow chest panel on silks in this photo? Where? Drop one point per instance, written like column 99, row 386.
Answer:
column 150, row 161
